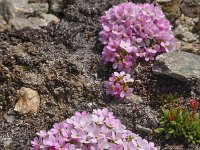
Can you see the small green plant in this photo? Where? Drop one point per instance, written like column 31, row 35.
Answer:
column 169, row 99
column 181, row 121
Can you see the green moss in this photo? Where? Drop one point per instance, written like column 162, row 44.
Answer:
column 24, row 68
column 167, row 9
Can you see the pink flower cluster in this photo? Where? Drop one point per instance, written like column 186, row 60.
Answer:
column 132, row 31
column 118, row 85
column 97, row 131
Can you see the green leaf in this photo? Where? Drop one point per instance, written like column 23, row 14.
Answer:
column 171, row 131
column 173, row 123
column 159, row 130
column 168, row 135
column 163, row 122
column 164, row 112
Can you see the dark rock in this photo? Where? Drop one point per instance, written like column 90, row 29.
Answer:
column 180, row 65
column 190, row 8
column 171, row 8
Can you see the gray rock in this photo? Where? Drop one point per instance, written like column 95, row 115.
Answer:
column 50, row 17
column 6, row 141
column 36, row 7
column 3, row 24
column 180, row 65
column 7, row 10
column 143, row 129
column 149, row 119
column 9, row 118
column 19, row 3
column 56, row 6
column 189, row 37
column 190, row 7
column 184, row 34
column 32, row 22
column 28, row 101
column 135, row 99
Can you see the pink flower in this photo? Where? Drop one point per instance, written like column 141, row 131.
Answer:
column 108, row 55
column 126, row 46
column 126, row 92
column 139, row 53
column 98, row 119
column 149, row 56
column 118, row 88
column 103, row 131
column 118, row 84
column 118, row 29
column 143, row 26
column 77, row 133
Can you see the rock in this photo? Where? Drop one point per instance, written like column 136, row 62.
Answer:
column 135, row 99
column 143, row 129
column 6, row 141
column 7, row 10
column 188, row 47
column 19, row 3
column 189, row 37
column 32, row 78
column 197, row 27
column 180, row 65
column 37, row 1
column 28, row 101
column 190, row 7
column 56, row 6
column 171, row 8
column 9, row 118
column 50, row 18
column 3, row 24
column 182, row 33
column 176, row 147
column 187, row 22
column 18, row 50
column 148, row 119
column 36, row 8
column 34, row 22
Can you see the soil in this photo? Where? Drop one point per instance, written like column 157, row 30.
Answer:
column 62, row 62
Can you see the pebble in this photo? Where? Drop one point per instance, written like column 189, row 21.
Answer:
column 28, row 101
column 143, row 129
column 9, row 118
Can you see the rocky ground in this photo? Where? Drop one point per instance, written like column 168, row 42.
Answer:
column 58, row 68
